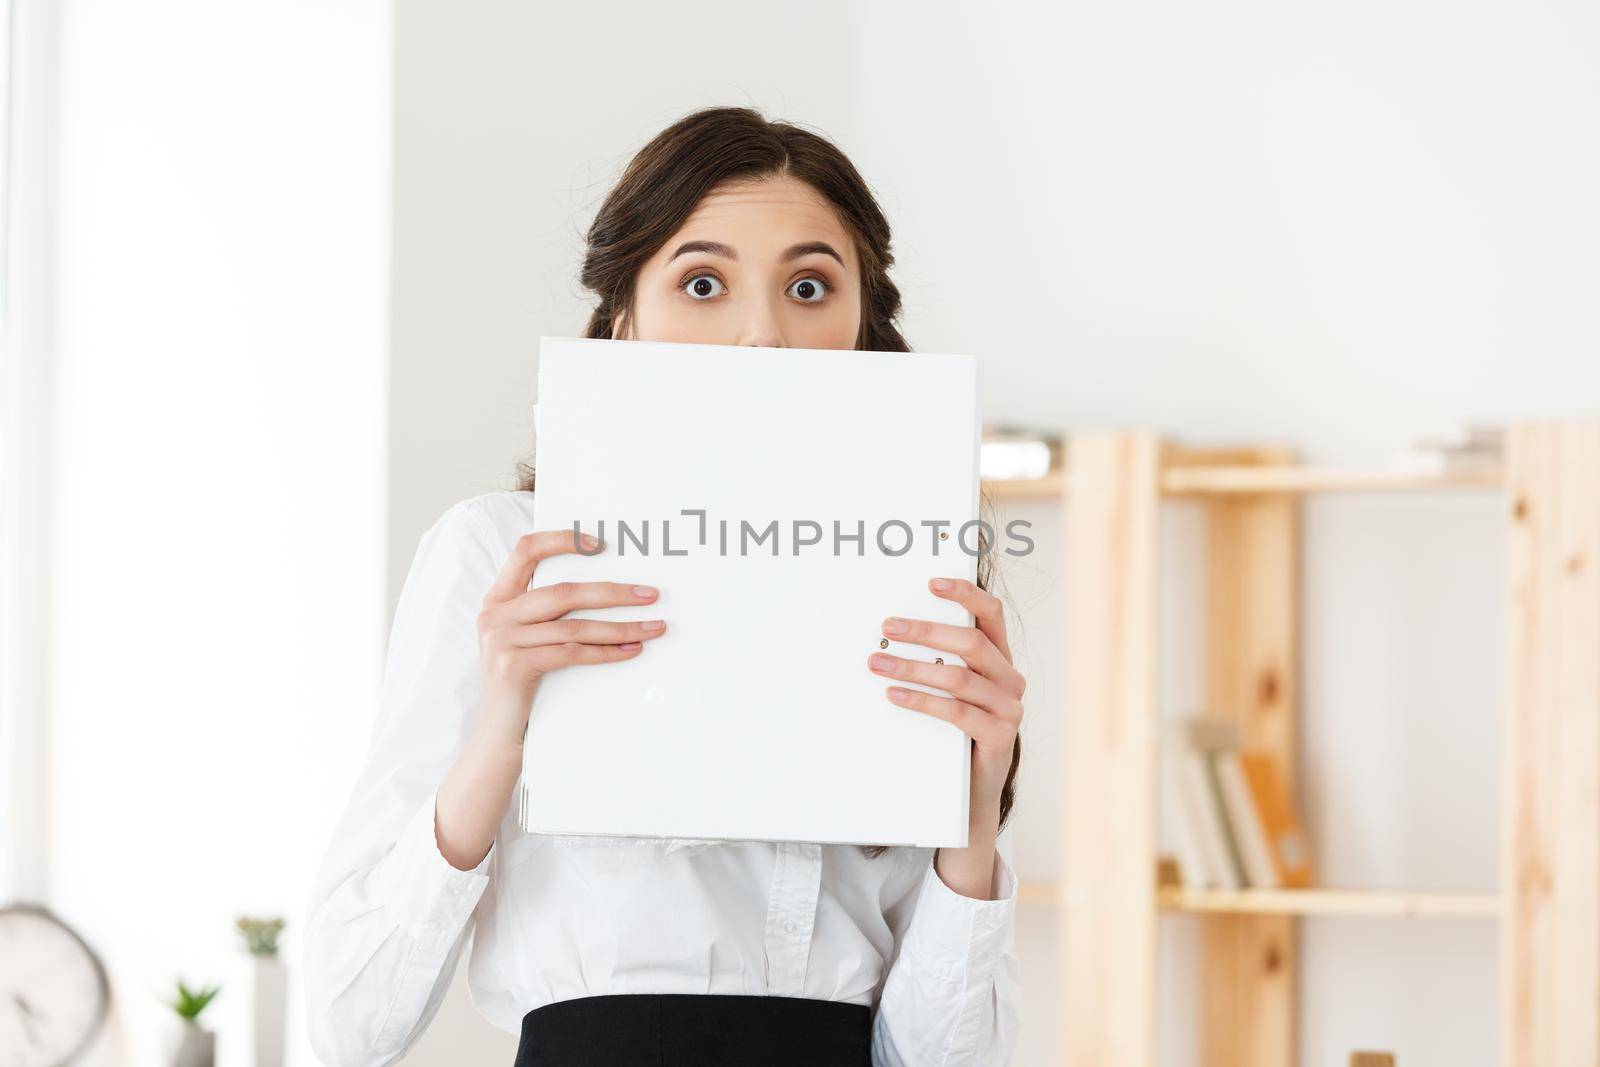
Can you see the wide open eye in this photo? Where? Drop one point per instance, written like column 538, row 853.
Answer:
column 702, row 286
column 809, row 290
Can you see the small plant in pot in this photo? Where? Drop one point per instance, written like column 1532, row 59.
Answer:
column 267, row 987
column 260, row 935
column 198, row 1047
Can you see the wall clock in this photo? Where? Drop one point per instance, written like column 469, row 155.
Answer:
column 53, row 989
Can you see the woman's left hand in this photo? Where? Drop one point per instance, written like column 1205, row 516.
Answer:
column 985, row 699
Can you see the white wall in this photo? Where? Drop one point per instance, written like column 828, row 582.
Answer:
column 221, row 378
column 1322, row 223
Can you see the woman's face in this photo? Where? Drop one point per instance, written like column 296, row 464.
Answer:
column 758, row 263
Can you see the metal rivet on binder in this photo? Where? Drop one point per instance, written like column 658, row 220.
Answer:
column 944, row 535
column 883, row 642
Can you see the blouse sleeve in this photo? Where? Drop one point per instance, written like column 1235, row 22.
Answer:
column 953, row 995
column 389, row 916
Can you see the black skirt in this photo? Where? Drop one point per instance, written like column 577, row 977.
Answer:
column 702, row 1030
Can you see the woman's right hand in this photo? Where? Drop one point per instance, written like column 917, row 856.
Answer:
column 522, row 634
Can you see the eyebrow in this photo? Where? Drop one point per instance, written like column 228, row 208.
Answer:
column 717, row 248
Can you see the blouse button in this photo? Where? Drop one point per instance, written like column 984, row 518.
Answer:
column 790, row 927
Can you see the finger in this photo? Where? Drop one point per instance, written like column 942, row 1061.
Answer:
column 545, row 602
column 585, row 631
column 960, row 682
column 546, row 658
column 517, row 571
column 510, row 662
column 968, row 642
column 973, row 721
column 987, row 609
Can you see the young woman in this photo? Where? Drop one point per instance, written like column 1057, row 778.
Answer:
column 726, row 229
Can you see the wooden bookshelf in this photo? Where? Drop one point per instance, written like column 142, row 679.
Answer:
column 1548, row 906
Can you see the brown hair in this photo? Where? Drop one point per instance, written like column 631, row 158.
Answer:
column 664, row 183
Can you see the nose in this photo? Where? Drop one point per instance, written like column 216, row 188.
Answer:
column 760, row 327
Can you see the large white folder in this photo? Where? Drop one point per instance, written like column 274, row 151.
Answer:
column 754, row 717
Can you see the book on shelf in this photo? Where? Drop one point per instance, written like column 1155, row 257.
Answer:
column 1206, row 858
column 1011, row 452
column 1234, row 820
column 1463, row 434
column 1249, row 830
column 1190, row 862
column 1458, row 447
column 1203, row 860
column 1286, row 839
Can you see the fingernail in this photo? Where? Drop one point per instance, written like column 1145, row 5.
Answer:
column 651, row 624
column 591, row 541
column 896, row 693
column 881, row 663
column 941, row 584
column 629, row 646
column 644, row 590
column 895, row 626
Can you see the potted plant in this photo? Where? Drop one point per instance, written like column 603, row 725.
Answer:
column 268, row 986
column 198, row 1046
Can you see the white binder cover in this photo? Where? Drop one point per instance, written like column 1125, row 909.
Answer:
column 754, row 716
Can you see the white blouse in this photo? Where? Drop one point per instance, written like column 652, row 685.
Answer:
column 555, row 917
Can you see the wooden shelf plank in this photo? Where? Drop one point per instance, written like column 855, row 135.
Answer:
column 1283, row 478
column 1249, row 961
column 1294, row 478
column 1111, row 537
column 1550, row 826
column 1367, row 902
column 1399, row 903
